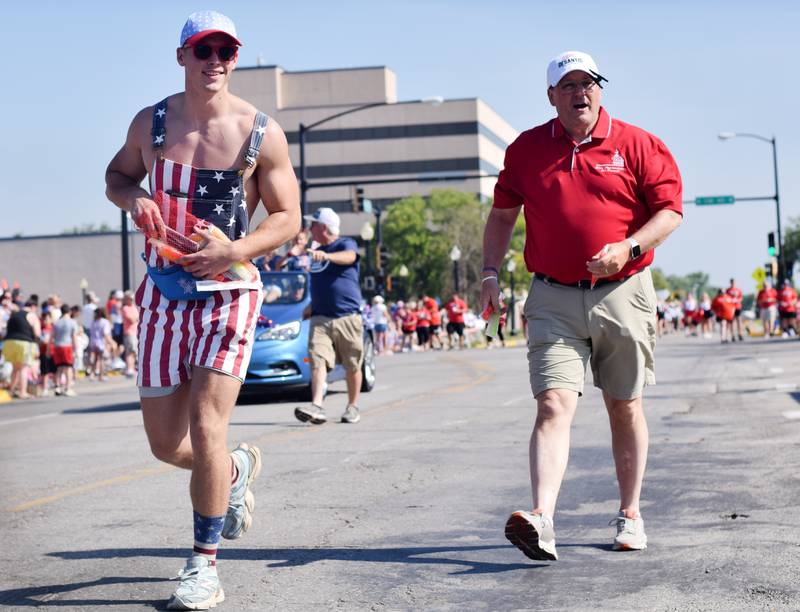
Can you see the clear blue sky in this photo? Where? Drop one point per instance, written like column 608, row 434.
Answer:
column 75, row 74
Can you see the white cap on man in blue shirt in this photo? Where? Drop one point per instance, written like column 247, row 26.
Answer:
column 327, row 217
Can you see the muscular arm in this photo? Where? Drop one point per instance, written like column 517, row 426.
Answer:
column 649, row 236
column 125, row 173
column 496, row 238
column 278, row 189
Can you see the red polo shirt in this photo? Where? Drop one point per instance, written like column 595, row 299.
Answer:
column 767, row 298
column 580, row 196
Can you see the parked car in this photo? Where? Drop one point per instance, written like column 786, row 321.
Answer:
column 280, row 360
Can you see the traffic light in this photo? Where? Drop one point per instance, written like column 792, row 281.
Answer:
column 357, row 197
column 771, row 244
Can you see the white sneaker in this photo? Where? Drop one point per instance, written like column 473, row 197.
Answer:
column 533, row 534
column 199, row 588
column 351, row 415
column 242, row 502
column 630, row 532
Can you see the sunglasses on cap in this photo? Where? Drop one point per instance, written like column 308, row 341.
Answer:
column 225, row 53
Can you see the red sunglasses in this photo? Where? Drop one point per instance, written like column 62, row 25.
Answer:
column 225, row 53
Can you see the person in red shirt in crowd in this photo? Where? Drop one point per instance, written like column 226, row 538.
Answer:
column 787, row 308
column 598, row 196
column 767, row 301
column 409, row 326
column 423, row 326
column 724, row 306
column 434, row 340
column 455, row 308
column 735, row 294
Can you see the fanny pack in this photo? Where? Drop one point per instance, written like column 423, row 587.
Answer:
column 175, row 283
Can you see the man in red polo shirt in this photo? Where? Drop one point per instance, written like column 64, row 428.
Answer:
column 736, row 296
column 598, row 196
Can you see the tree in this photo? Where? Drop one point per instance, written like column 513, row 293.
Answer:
column 791, row 242
column 659, row 280
column 695, row 282
column 420, row 232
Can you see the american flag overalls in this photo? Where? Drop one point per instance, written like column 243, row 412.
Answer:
column 216, row 332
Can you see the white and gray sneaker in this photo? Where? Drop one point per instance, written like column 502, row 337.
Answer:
column 199, row 588
column 533, row 534
column 351, row 414
column 630, row 532
column 241, row 502
column 314, row 414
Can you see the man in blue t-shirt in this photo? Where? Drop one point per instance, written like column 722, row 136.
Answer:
column 336, row 328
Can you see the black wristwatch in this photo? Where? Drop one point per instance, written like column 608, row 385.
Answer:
column 636, row 250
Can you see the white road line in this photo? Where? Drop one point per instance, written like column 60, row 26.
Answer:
column 776, row 370
column 32, row 418
column 786, row 386
column 762, row 360
column 792, row 414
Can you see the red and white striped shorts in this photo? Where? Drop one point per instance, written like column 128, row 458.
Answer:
column 176, row 335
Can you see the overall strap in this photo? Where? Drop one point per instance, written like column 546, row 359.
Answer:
column 159, row 130
column 256, row 137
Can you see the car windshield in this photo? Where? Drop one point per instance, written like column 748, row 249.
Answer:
column 284, row 288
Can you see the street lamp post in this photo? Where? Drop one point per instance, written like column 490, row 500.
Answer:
column 776, row 197
column 455, row 255
column 403, row 273
column 304, row 129
column 511, row 266
column 84, row 285
column 367, row 234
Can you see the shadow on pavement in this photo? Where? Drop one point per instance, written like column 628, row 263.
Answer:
column 46, row 595
column 108, row 408
column 294, row 557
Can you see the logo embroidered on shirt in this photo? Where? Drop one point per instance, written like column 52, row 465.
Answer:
column 617, row 164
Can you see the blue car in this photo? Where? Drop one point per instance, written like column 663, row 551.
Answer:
column 280, row 360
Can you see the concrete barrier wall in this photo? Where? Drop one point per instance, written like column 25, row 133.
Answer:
column 56, row 264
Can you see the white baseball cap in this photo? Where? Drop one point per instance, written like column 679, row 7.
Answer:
column 326, row 216
column 203, row 23
column 569, row 61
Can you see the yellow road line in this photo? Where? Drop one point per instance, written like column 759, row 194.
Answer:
column 137, row 475
column 470, row 382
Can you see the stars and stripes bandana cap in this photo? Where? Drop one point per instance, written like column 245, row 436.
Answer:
column 202, row 23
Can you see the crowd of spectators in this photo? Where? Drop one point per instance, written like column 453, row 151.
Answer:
column 775, row 309
column 47, row 345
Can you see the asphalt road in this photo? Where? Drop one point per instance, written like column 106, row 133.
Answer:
column 406, row 509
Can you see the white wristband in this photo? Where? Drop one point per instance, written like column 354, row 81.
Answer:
column 488, row 278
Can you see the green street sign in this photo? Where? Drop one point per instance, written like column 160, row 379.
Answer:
column 713, row 200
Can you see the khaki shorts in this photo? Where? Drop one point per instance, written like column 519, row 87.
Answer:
column 337, row 340
column 613, row 327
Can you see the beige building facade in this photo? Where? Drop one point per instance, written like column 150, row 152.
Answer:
column 393, row 140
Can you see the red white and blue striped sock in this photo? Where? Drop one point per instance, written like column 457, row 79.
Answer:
column 207, row 533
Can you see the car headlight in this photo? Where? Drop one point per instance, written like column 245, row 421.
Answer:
column 287, row 331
